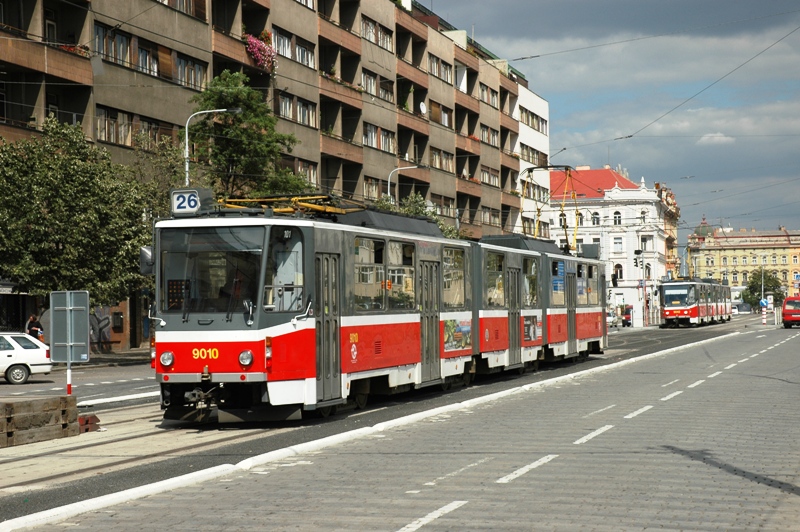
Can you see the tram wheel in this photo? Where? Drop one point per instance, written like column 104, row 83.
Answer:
column 447, row 385
column 361, row 400
column 326, row 411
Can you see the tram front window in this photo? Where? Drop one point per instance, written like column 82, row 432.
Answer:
column 210, row 269
column 679, row 296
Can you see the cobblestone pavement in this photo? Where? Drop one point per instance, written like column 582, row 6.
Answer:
column 699, row 439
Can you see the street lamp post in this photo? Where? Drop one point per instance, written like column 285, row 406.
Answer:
column 235, row 110
column 389, row 184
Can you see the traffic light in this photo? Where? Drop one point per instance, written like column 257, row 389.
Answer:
column 636, row 261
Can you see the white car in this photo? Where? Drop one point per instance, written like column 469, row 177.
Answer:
column 21, row 356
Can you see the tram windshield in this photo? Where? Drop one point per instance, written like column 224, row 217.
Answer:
column 680, row 295
column 210, row 269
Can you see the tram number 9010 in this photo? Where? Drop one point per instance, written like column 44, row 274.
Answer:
column 203, row 354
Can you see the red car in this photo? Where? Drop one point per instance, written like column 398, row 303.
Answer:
column 791, row 311
column 626, row 316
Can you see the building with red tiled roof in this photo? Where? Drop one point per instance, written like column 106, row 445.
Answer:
column 636, row 228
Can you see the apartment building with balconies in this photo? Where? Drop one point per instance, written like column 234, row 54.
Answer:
column 384, row 97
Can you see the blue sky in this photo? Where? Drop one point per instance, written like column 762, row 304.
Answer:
column 707, row 88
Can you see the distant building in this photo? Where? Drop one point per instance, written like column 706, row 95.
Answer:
column 732, row 256
column 635, row 226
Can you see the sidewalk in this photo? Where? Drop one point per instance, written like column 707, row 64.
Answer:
column 131, row 357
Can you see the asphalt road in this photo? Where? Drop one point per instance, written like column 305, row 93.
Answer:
column 624, row 344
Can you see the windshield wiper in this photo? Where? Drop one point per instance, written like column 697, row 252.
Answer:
column 186, row 294
column 233, row 299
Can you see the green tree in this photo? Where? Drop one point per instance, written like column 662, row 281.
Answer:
column 157, row 168
column 244, row 150
column 71, row 219
column 415, row 205
column 752, row 294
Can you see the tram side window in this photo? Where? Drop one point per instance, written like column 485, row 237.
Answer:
column 557, row 297
column 530, row 287
column 493, row 290
column 454, row 290
column 369, row 274
column 592, row 281
column 400, row 282
column 582, row 285
column 283, row 283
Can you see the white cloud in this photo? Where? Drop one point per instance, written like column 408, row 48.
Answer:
column 716, row 138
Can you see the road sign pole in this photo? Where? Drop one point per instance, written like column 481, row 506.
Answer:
column 763, row 315
column 69, row 329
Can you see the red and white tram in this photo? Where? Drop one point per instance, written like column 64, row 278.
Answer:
column 260, row 315
column 694, row 302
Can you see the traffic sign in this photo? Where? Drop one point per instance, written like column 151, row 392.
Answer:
column 69, row 326
column 763, row 302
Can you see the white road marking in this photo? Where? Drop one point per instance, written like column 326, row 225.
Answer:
column 743, row 360
column 714, row 374
column 454, row 473
column 754, row 356
column 588, row 437
column 729, row 366
column 640, row 411
column 444, row 510
column 120, row 398
column 521, row 471
column 670, row 396
column 146, row 387
column 667, row 384
column 698, row 383
column 598, row 411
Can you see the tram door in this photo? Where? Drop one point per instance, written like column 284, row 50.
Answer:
column 514, row 350
column 327, row 317
column 429, row 320
column 572, row 300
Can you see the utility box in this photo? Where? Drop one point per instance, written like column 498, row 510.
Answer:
column 116, row 321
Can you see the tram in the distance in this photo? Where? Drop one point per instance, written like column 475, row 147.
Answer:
column 694, row 302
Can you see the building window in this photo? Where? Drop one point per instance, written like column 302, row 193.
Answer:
column 744, row 277
column 148, row 59
column 617, row 244
column 744, row 261
column 304, row 53
column 369, row 29
column 735, row 278
column 370, row 137
column 386, row 90
column 309, row 170
column 443, row 206
column 724, row 261
column 643, row 216
column 371, row 188
column 794, row 259
column 580, row 219
column 306, row 113
column 784, row 259
column 617, row 218
column 735, row 261
column 308, row 3
column 285, row 106
column 283, row 43
column 618, row 271
column 385, row 38
column 369, row 82
column 387, row 141
column 595, row 218
column 191, row 73
column 562, row 220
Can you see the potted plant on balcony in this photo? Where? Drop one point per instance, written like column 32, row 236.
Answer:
column 261, row 50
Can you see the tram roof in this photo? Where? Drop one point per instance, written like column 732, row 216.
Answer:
column 523, row 242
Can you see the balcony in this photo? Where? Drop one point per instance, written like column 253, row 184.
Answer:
column 509, row 85
column 411, row 73
column 340, row 148
column 509, row 160
column 226, row 46
column 407, row 22
column 470, row 187
column 68, row 63
column 467, row 59
column 414, row 122
column 340, row 90
column 468, row 102
column 470, row 145
column 511, row 200
column 508, row 122
column 336, row 34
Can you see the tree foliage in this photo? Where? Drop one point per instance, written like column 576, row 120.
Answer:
column 71, row 219
column 415, row 205
column 243, row 150
column 752, row 294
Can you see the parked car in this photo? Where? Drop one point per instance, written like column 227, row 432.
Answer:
column 626, row 316
column 791, row 311
column 21, row 356
column 612, row 320
column 734, row 310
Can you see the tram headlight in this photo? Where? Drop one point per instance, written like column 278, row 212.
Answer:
column 246, row 357
column 167, row 358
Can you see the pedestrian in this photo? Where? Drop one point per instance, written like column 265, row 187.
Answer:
column 34, row 328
